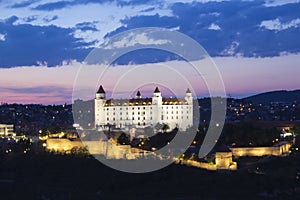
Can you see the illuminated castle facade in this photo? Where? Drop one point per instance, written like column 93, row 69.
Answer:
column 141, row 112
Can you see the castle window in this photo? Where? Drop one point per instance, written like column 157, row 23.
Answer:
column 120, row 108
column 151, row 118
column 132, row 118
column 132, row 113
column 113, row 113
column 176, row 117
column 132, row 108
column 138, row 118
column 126, row 108
column 176, row 112
column 187, row 117
column 139, row 123
column 167, row 118
column 120, row 113
column 114, row 119
column 144, row 118
column 126, row 113
column 143, row 113
column 107, row 119
column 176, row 107
column 107, row 113
column 120, row 118
column 144, row 108
column 107, row 108
column 138, row 108
column 172, row 117
column 181, row 117
column 172, row 112
column 114, row 108
column 138, row 113
column 144, row 123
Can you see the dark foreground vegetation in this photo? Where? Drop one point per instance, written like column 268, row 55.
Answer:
column 40, row 175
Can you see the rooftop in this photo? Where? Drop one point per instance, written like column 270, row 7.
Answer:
column 100, row 90
column 144, row 101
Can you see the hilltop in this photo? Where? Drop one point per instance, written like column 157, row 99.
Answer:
column 275, row 96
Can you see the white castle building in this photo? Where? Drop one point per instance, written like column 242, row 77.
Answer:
column 141, row 112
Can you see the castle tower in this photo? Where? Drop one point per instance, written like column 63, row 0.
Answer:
column 157, row 106
column 156, row 98
column 189, row 97
column 99, row 105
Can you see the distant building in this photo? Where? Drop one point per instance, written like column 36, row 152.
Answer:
column 6, row 129
column 140, row 112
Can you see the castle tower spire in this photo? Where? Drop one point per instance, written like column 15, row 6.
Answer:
column 138, row 95
column 101, row 90
column 100, row 93
column 156, row 90
column 188, row 91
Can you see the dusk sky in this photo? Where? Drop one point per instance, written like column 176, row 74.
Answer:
column 255, row 44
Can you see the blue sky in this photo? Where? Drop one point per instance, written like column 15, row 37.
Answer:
column 52, row 33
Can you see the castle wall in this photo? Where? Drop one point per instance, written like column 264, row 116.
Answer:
column 197, row 164
column 62, row 144
column 223, row 163
column 223, row 160
column 174, row 115
column 107, row 148
column 261, row 151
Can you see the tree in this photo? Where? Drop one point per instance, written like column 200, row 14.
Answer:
column 124, row 139
column 296, row 129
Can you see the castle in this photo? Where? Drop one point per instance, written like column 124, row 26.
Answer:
column 141, row 112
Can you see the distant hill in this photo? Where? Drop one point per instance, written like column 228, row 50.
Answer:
column 275, row 96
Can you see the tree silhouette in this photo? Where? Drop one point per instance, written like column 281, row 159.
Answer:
column 124, row 139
